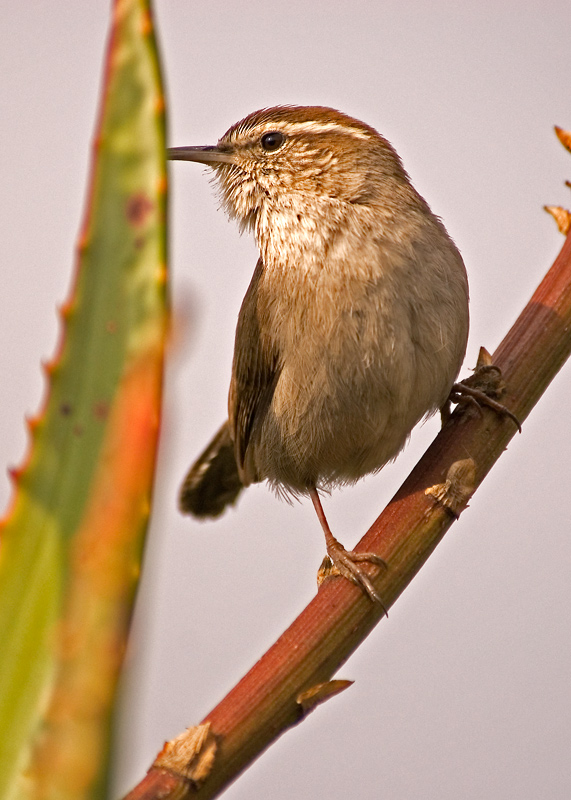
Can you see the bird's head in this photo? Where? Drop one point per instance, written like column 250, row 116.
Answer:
column 288, row 154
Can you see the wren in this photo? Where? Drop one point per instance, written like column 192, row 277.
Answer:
column 355, row 323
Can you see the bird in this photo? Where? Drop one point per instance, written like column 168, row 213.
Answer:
column 355, row 323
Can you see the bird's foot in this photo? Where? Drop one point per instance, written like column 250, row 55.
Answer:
column 347, row 564
column 484, row 388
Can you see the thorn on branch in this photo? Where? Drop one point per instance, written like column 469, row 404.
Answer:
column 319, row 693
column 190, row 755
column 561, row 216
column 458, row 487
column 564, row 137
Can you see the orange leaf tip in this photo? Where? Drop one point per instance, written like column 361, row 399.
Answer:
column 15, row 473
column 32, row 422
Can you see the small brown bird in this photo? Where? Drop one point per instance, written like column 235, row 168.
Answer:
column 354, row 325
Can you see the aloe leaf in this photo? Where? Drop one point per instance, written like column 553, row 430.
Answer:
column 72, row 539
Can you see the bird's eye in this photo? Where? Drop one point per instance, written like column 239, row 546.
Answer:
column 272, row 141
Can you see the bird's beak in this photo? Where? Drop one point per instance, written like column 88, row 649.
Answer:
column 207, row 154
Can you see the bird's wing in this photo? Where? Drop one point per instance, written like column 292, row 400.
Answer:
column 255, row 371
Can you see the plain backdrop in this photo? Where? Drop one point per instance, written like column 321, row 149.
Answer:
column 464, row 691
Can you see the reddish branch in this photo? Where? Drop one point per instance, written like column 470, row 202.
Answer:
column 267, row 700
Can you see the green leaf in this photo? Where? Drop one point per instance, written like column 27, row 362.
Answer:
column 72, row 540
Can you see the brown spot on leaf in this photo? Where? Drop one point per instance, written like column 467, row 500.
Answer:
column 138, row 209
column 101, row 410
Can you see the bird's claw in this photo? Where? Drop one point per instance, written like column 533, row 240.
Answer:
column 484, row 388
column 346, row 563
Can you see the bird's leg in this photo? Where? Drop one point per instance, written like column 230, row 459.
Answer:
column 347, row 561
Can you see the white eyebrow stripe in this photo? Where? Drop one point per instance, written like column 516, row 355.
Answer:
column 320, row 127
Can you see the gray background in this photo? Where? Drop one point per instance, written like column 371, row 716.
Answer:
column 464, row 692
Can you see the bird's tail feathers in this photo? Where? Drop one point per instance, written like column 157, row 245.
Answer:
column 213, row 482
